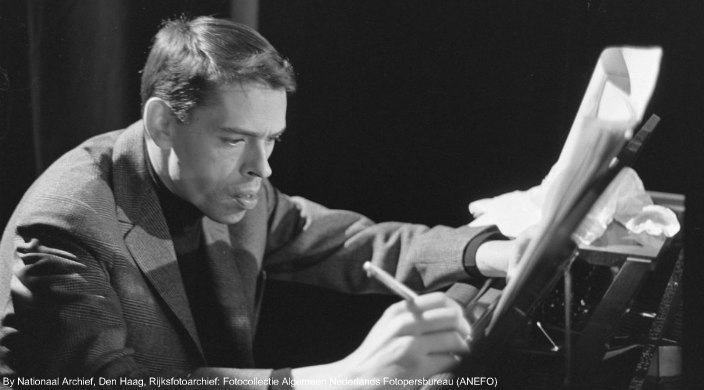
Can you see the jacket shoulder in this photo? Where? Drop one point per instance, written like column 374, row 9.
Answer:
column 75, row 187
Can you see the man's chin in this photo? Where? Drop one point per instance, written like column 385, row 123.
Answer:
column 228, row 218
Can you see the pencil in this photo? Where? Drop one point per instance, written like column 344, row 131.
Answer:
column 400, row 289
column 388, row 281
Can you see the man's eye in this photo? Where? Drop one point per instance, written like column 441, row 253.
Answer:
column 232, row 141
column 274, row 139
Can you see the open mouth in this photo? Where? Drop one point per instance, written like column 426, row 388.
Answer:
column 246, row 200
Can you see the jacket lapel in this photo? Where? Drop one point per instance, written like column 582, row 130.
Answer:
column 144, row 227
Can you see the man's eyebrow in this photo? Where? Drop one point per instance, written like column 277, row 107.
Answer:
column 244, row 132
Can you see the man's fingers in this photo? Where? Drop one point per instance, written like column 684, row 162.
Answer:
column 428, row 314
column 444, row 319
column 444, row 343
column 431, row 321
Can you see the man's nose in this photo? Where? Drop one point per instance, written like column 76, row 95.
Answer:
column 256, row 161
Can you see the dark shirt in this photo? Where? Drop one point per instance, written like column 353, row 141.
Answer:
column 185, row 223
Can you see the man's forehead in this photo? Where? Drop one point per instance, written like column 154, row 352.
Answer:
column 249, row 107
column 252, row 95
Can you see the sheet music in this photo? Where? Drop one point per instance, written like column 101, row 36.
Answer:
column 614, row 103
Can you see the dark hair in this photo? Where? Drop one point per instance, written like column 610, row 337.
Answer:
column 191, row 58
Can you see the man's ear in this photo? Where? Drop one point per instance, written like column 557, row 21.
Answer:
column 160, row 122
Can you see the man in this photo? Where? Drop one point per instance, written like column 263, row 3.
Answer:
column 143, row 252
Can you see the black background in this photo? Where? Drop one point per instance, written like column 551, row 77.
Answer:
column 406, row 109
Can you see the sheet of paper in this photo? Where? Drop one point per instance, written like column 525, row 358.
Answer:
column 615, row 101
column 613, row 104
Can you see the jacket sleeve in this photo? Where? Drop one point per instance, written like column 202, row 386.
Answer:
column 67, row 320
column 309, row 243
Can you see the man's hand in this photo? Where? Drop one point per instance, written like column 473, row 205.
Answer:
column 496, row 259
column 520, row 244
column 411, row 340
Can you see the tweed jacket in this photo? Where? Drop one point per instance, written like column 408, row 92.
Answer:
column 97, row 291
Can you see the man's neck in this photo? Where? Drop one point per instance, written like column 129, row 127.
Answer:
column 179, row 213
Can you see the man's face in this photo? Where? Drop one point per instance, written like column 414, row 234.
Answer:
column 220, row 156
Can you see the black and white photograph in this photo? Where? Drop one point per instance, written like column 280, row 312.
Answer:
column 351, row 194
